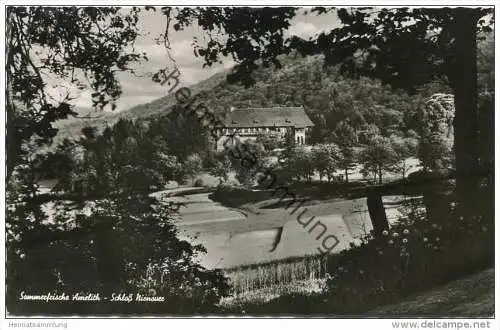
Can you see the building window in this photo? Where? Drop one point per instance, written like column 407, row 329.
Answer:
column 301, row 140
column 298, row 139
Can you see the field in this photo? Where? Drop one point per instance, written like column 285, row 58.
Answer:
column 235, row 237
column 261, row 247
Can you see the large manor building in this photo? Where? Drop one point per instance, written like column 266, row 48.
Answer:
column 249, row 123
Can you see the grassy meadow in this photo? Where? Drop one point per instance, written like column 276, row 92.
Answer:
column 265, row 281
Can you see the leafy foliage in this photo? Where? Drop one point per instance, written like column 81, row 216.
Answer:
column 298, row 164
column 436, row 138
column 99, row 231
column 325, row 159
column 269, row 141
column 377, row 157
column 117, row 170
column 134, row 249
column 79, row 44
column 247, row 159
column 404, row 149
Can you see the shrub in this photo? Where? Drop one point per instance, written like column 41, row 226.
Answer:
column 127, row 245
column 412, row 256
column 297, row 163
column 246, row 159
column 192, row 166
column 269, row 141
column 198, row 183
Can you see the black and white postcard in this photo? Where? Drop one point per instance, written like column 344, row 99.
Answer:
column 289, row 161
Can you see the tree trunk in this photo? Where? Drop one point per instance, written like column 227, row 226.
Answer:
column 346, row 176
column 11, row 142
column 462, row 66
column 380, row 175
column 435, row 200
column 377, row 212
column 487, row 154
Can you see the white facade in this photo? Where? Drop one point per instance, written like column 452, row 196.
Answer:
column 251, row 133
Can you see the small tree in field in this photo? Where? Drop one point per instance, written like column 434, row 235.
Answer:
column 325, row 158
column 378, row 156
column 192, row 166
column 345, row 137
column 299, row 164
column 347, row 160
column 245, row 158
column 404, row 148
column 218, row 165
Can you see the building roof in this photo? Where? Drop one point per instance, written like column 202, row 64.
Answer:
column 268, row 117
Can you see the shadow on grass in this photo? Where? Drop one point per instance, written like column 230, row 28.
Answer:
column 237, row 196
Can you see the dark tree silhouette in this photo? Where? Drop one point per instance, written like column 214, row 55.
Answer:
column 128, row 242
column 84, row 45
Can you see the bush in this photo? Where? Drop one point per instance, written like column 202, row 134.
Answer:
column 246, row 159
column 297, row 163
column 198, row 183
column 134, row 251
column 191, row 167
column 411, row 257
column 269, row 141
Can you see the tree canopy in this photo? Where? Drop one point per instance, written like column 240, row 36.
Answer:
column 86, row 46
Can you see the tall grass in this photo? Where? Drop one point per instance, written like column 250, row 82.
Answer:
column 277, row 275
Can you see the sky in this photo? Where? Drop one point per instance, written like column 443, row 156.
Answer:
column 138, row 90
